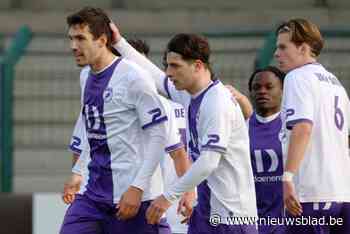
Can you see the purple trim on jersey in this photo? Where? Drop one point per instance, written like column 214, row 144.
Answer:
column 215, row 148
column 100, row 183
column 75, row 143
column 290, row 124
column 193, row 109
column 162, row 119
column 166, row 86
column 267, row 164
column 174, row 147
column 203, row 190
column 74, row 150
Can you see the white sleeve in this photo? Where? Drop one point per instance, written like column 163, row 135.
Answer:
column 154, row 151
column 144, row 98
column 173, row 133
column 163, row 84
column 298, row 101
column 216, row 126
column 199, row 171
column 81, row 163
column 129, row 52
column 78, row 141
column 153, row 118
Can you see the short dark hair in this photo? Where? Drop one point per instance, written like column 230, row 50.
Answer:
column 140, row 45
column 278, row 73
column 96, row 19
column 190, row 47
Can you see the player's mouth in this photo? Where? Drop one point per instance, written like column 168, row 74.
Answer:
column 262, row 100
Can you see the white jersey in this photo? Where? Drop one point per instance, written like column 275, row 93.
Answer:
column 80, row 145
column 215, row 123
column 123, row 115
column 314, row 95
column 169, row 174
column 176, row 138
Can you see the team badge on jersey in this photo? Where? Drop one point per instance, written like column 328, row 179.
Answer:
column 108, row 94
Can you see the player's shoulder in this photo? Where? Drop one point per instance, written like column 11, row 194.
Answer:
column 135, row 75
column 217, row 97
column 84, row 74
column 304, row 74
column 216, row 101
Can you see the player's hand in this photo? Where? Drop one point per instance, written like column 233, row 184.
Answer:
column 290, row 199
column 129, row 203
column 185, row 207
column 116, row 36
column 71, row 187
column 156, row 210
column 234, row 92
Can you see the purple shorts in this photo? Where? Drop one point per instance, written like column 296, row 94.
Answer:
column 86, row 216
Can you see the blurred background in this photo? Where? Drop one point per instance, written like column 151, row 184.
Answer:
column 39, row 82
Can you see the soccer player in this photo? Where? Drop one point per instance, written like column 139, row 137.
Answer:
column 316, row 117
column 78, row 141
column 125, row 127
column 169, row 170
column 218, row 139
column 266, row 149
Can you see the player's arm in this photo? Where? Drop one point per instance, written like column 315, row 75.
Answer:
column 127, row 51
column 214, row 132
column 243, row 101
column 152, row 117
column 78, row 140
column 298, row 104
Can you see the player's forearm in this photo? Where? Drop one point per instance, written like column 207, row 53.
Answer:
column 299, row 140
column 246, row 106
column 127, row 51
column 200, row 170
column 181, row 161
column 152, row 156
column 77, row 165
column 75, row 158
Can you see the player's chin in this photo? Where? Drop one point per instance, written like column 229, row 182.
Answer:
column 178, row 87
column 81, row 64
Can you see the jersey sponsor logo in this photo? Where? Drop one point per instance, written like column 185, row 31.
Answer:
column 108, row 94
column 92, row 116
column 271, row 155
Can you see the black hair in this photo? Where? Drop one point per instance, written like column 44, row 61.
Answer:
column 278, row 73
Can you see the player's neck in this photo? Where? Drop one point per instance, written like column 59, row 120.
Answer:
column 104, row 60
column 266, row 119
column 202, row 82
column 308, row 60
column 265, row 113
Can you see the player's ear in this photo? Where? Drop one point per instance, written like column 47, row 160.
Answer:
column 102, row 40
column 198, row 64
column 305, row 48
